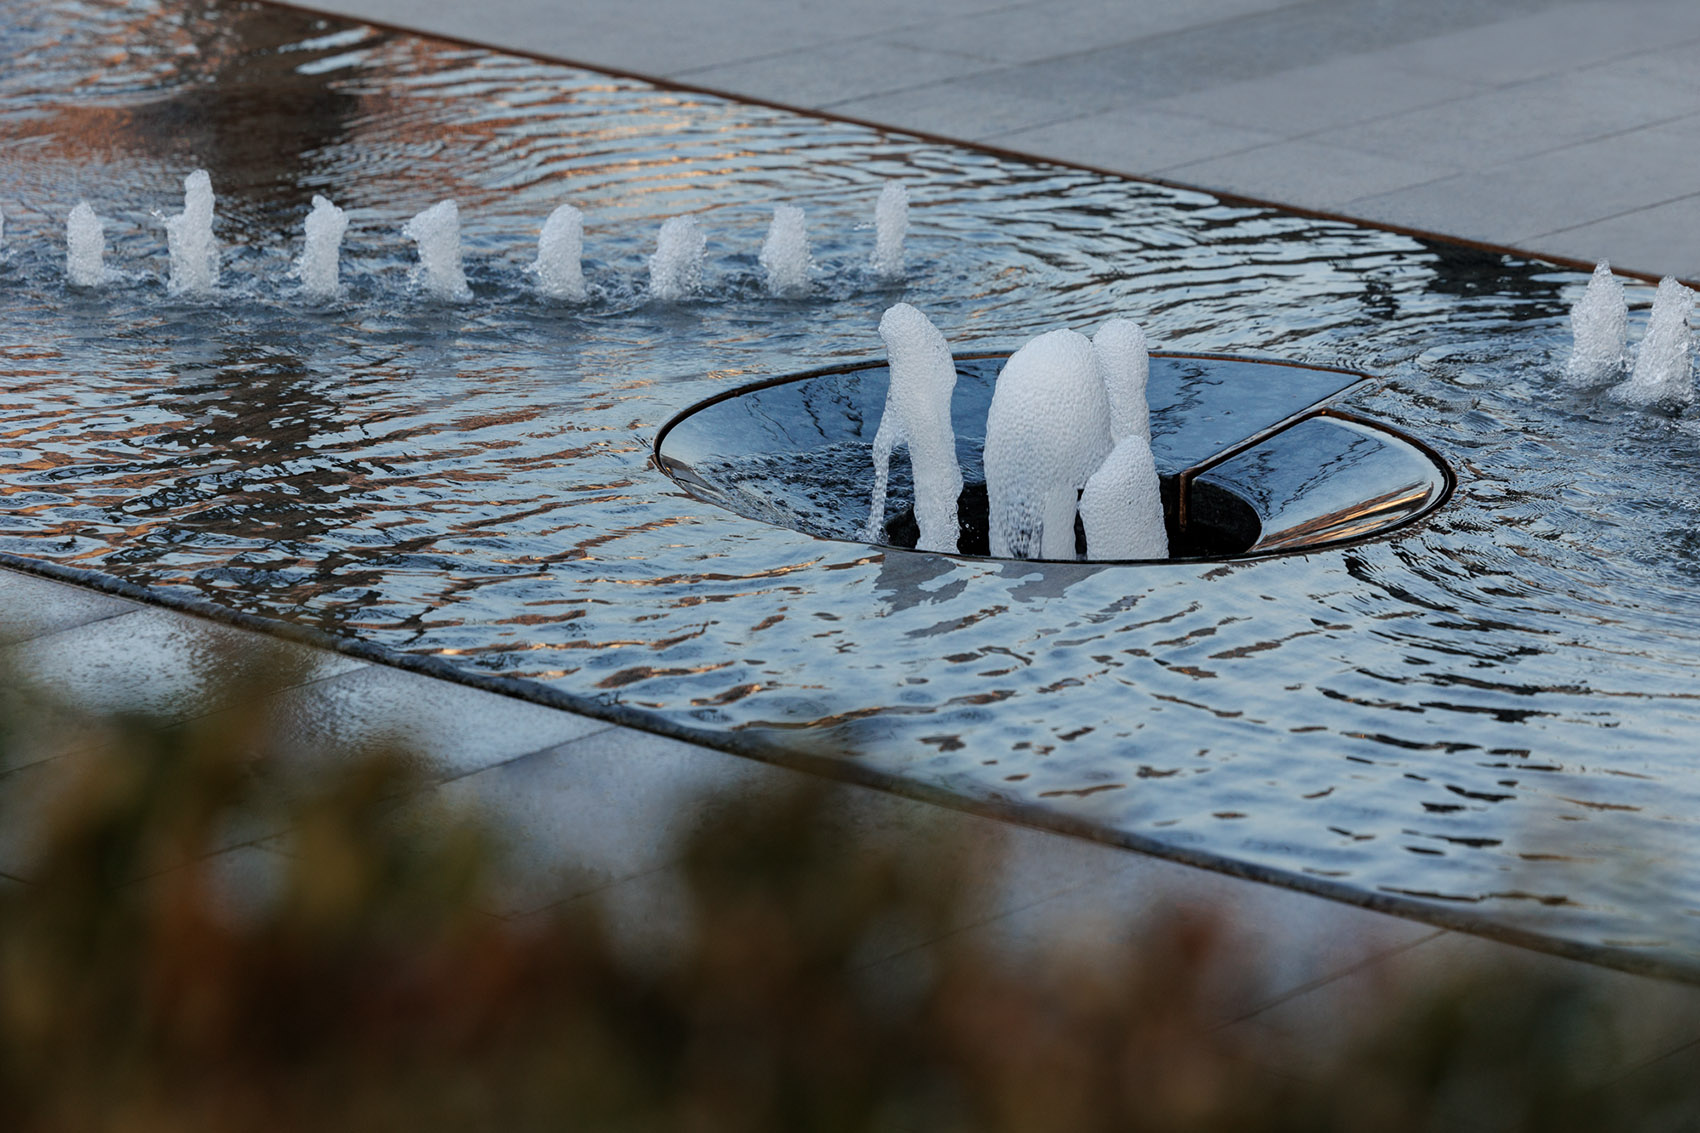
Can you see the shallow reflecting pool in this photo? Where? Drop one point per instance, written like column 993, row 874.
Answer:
column 1490, row 712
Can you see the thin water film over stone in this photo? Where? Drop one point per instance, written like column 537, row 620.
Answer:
column 1490, row 712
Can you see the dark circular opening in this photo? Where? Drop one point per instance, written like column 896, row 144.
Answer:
column 1219, row 523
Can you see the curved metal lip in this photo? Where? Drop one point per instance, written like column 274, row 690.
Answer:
column 1323, row 408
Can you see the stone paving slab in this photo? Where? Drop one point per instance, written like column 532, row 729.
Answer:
column 1135, row 135
column 1318, row 175
column 31, row 606
column 1495, row 126
column 1646, row 1019
column 452, row 729
column 164, row 665
column 1035, row 31
column 1639, row 237
column 615, row 804
column 977, row 108
column 1517, row 202
column 1556, row 41
column 1291, row 941
column 1311, row 102
column 859, row 69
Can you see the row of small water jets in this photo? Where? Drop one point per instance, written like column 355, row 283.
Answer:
column 1068, row 431
column 676, row 269
column 1662, row 374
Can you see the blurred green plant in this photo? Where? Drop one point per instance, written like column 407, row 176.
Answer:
column 361, row 985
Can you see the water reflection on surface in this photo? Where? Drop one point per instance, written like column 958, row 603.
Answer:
column 1493, row 711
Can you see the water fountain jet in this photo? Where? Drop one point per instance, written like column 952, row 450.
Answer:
column 917, row 415
column 559, row 266
column 1047, row 431
column 785, row 254
column 1599, row 326
column 189, row 238
column 891, row 225
column 1124, row 366
column 317, row 268
column 1663, row 371
column 85, row 247
column 675, row 270
column 437, row 233
column 1122, row 506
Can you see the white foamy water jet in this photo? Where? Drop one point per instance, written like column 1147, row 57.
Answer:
column 85, row 247
column 1047, row 431
column 1122, row 506
column 437, row 233
column 1124, row 366
column 1599, row 326
column 917, row 415
column 2, row 231
column 559, row 266
column 317, row 268
column 675, row 270
column 1664, row 370
column 785, row 253
column 189, row 237
column 891, row 225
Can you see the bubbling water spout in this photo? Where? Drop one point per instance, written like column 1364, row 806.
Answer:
column 785, row 254
column 1599, row 324
column 1047, row 431
column 317, row 267
column 917, row 414
column 189, row 237
column 675, row 270
column 85, row 247
column 1124, row 366
column 891, row 225
column 437, row 233
column 1122, row 506
column 559, row 266
column 1663, row 370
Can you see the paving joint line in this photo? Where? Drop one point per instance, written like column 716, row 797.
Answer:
column 505, row 761
column 1323, row 981
column 600, row 887
column 1691, row 1044
column 988, row 920
column 1694, row 196
column 44, row 635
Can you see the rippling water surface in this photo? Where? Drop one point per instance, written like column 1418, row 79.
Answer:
column 1494, row 711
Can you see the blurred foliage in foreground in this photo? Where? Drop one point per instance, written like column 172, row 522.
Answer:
column 361, row 985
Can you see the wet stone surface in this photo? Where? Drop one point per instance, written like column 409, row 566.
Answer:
column 1492, row 711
